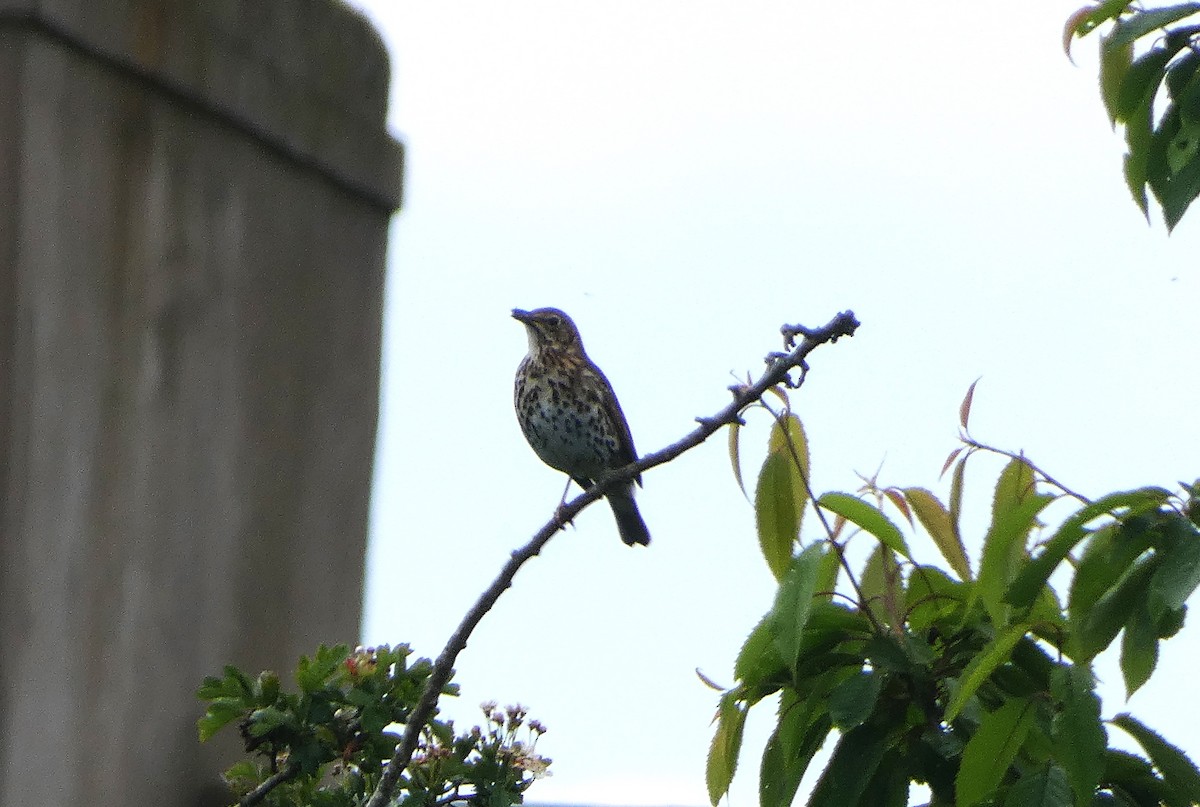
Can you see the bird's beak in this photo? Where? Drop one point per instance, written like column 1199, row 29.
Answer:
column 520, row 315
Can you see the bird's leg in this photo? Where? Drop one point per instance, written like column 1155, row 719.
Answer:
column 563, row 503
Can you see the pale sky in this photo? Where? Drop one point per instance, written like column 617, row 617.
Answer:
column 682, row 178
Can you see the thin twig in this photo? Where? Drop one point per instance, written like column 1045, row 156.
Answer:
column 779, row 366
column 1012, row 455
column 284, row 774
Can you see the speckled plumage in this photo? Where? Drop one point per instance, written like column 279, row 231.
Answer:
column 570, row 414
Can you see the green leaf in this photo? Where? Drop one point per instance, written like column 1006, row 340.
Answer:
column 1015, row 506
column 1029, row 581
column 234, row 684
column 998, row 651
column 1141, row 81
column 219, row 712
column 790, row 749
column 932, row 596
column 1179, row 192
column 726, row 744
column 759, row 662
column 827, row 577
column 867, row 516
column 855, row 759
column 852, row 701
column 1103, row 621
column 1182, row 149
column 935, row 518
column 777, row 509
column 1177, row 770
column 992, row 749
column 954, row 504
column 1114, row 64
column 265, row 720
column 1134, row 776
column 1141, row 23
column 880, row 586
column 1108, row 555
column 1139, row 132
column 793, row 600
column 1180, row 75
column 889, row 786
column 1014, row 513
column 1048, row 788
column 1079, row 736
column 1139, row 649
column 313, row 674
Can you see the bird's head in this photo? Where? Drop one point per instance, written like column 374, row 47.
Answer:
column 549, row 329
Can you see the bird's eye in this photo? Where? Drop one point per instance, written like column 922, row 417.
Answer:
column 554, row 320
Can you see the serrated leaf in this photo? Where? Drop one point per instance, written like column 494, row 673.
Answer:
column 964, row 409
column 1139, row 649
column 1003, row 549
column 788, row 753
column 267, row 719
column 852, row 701
column 880, row 586
column 996, row 652
column 219, row 713
column 1180, row 75
column 1178, row 771
column 777, row 513
column 759, row 660
column 726, row 745
column 1108, row 554
column 827, row 576
column 954, row 505
column 1179, row 575
column 1133, row 775
column 867, row 516
column 1114, row 64
column 1178, row 191
column 788, row 437
column 931, row 596
column 1079, row 736
column 1048, row 788
column 313, row 673
column 896, row 497
column 989, row 753
column 950, row 460
column 793, row 601
column 1141, row 81
column 1036, row 573
column 935, row 518
column 1100, row 625
column 855, row 759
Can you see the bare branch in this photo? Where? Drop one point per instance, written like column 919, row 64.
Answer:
column 779, row 366
column 284, row 774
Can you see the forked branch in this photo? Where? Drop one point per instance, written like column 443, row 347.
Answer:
column 779, row 369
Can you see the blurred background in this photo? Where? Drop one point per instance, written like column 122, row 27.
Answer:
column 201, row 276
column 682, row 178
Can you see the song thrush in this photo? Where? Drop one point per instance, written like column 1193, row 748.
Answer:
column 570, row 415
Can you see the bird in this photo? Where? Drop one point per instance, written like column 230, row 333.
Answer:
column 570, row 414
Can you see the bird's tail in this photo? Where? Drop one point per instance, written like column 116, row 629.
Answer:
column 630, row 525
